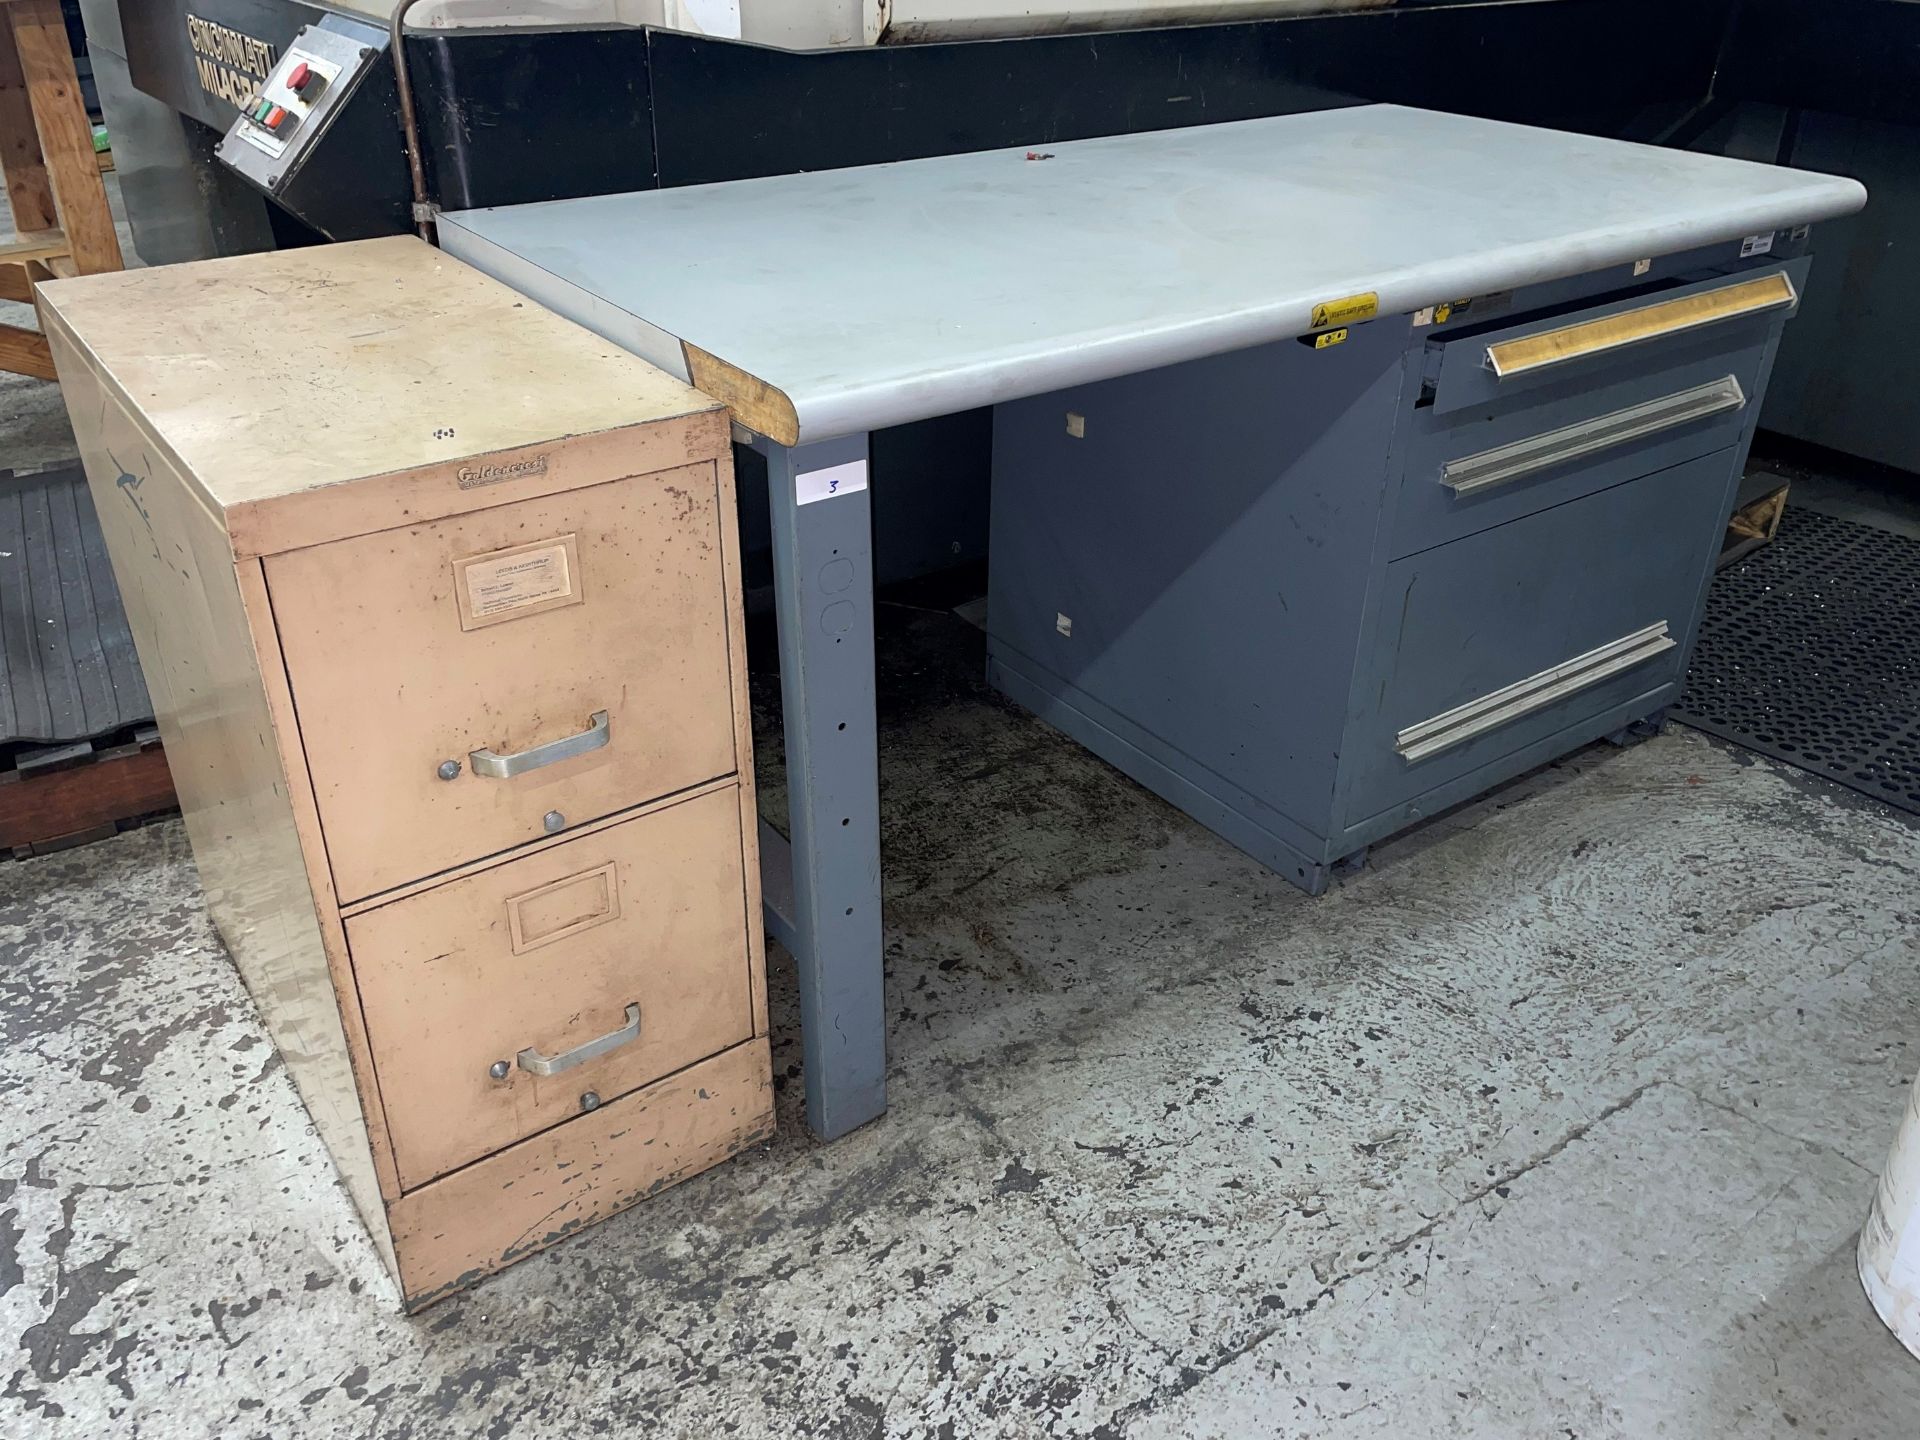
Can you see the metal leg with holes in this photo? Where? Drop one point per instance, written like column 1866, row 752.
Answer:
column 822, row 883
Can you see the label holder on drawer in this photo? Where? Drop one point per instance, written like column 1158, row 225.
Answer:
column 564, row 908
column 518, row 581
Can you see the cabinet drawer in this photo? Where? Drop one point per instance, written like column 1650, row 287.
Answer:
column 562, row 656
column 1571, row 431
column 1511, row 635
column 1475, row 469
column 598, row 965
column 1636, row 336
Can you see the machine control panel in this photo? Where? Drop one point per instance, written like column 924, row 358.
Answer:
column 283, row 119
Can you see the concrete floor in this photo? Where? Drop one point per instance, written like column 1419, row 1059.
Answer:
column 1559, row 1120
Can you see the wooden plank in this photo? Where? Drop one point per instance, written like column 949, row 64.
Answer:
column 24, row 352
column 17, row 279
column 120, row 785
column 66, row 136
column 32, row 245
column 28, row 190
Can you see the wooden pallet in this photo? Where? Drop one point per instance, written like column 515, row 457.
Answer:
column 63, row 795
column 1753, row 525
column 52, row 173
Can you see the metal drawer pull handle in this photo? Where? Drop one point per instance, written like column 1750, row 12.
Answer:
column 532, row 1061
column 1507, row 463
column 1649, row 322
column 505, row 767
column 1476, row 717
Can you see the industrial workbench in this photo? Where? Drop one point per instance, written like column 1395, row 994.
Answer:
column 1259, row 388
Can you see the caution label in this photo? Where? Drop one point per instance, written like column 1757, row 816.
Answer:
column 1346, row 311
column 1331, row 338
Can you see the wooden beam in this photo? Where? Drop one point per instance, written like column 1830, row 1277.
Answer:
column 20, row 159
column 119, row 785
column 18, row 278
column 32, row 244
column 66, row 136
column 25, row 352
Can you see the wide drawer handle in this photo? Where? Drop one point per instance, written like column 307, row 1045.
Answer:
column 1650, row 322
column 1476, row 717
column 1507, row 463
column 505, row 767
column 534, row 1062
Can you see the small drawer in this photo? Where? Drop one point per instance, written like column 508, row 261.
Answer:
column 1509, row 636
column 1475, row 468
column 470, row 685
column 494, row 1002
column 1495, row 367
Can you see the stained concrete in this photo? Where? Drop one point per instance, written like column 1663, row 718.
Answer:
column 1559, row 1119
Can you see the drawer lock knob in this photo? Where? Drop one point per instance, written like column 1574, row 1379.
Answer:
column 499, row 1070
column 590, row 1101
column 554, row 821
column 448, row 770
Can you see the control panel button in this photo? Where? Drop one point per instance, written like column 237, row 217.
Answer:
column 275, row 117
column 298, row 77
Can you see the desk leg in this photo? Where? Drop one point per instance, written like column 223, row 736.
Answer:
column 823, row 582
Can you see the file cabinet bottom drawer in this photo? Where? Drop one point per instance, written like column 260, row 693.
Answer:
column 530, row 994
column 480, row 1219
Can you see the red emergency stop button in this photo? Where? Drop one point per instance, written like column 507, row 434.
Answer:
column 298, row 77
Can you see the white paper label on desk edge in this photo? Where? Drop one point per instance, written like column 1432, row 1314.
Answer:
column 1756, row 245
column 812, row 485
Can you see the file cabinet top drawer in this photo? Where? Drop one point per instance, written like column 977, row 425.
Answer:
column 495, row 1002
column 315, row 393
column 484, row 681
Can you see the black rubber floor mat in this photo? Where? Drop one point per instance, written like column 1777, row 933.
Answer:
column 1810, row 653
column 67, row 667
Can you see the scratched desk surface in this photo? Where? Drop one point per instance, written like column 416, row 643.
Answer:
column 882, row 294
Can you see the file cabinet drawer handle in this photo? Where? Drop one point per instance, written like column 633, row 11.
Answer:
column 1513, row 702
column 505, row 767
column 532, row 1061
column 1508, row 358
column 1507, row 463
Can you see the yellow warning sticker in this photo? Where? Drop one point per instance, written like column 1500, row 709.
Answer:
column 1346, row 311
column 1332, row 337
